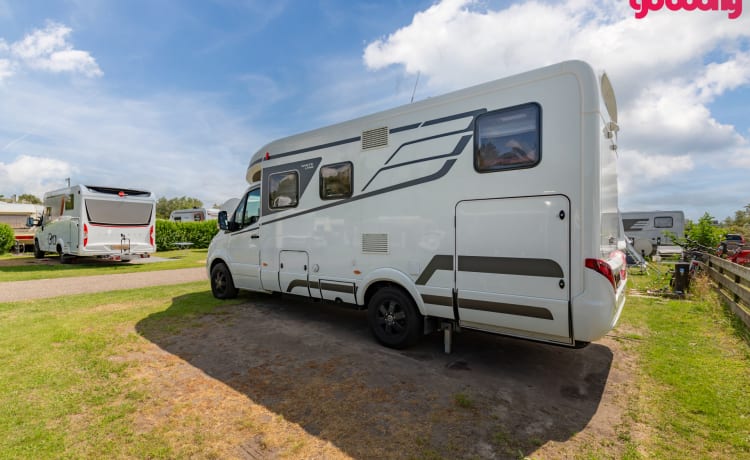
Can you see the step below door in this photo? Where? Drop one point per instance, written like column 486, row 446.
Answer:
column 512, row 266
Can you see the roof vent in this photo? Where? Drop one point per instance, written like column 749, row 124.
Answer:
column 374, row 138
column 375, row 243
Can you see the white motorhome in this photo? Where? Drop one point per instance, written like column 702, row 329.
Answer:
column 491, row 208
column 108, row 222
column 650, row 231
column 194, row 215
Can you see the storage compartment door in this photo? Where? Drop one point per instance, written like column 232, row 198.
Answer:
column 293, row 273
column 513, row 266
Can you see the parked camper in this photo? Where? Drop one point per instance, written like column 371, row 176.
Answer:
column 650, row 231
column 491, row 208
column 194, row 215
column 107, row 222
column 17, row 215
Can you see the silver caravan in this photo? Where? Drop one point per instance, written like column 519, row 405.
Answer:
column 194, row 215
column 650, row 231
column 491, row 208
column 107, row 222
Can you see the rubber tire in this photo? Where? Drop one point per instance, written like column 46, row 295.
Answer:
column 222, row 285
column 394, row 319
column 38, row 253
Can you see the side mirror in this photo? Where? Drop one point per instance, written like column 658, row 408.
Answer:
column 253, row 219
column 32, row 222
column 223, row 220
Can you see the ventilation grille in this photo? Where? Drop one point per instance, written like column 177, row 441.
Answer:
column 375, row 243
column 375, row 138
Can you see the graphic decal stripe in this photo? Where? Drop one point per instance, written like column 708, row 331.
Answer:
column 506, row 308
column 417, row 141
column 439, row 262
column 498, row 265
column 437, row 300
column 456, row 151
column 311, row 149
column 473, row 114
column 422, row 180
column 510, row 266
column 405, row 128
column 346, row 289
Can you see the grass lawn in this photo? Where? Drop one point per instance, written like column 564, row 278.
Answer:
column 67, row 392
column 24, row 267
column 693, row 395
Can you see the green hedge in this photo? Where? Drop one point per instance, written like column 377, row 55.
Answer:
column 198, row 233
column 7, row 238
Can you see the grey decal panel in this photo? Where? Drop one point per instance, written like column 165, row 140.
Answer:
column 510, row 266
column 496, row 265
column 344, row 288
column 505, row 308
column 306, row 170
column 311, row 149
column 301, row 283
column 438, row 262
column 437, row 300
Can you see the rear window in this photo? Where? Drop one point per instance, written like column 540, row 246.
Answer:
column 508, row 139
column 118, row 212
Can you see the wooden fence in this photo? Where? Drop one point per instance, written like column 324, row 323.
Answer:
column 733, row 283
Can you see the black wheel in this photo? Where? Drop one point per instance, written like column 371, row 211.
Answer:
column 63, row 259
column 38, row 253
column 394, row 319
column 222, row 285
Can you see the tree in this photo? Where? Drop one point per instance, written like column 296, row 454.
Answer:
column 164, row 207
column 29, row 199
column 704, row 233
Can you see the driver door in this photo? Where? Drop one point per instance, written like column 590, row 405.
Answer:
column 244, row 247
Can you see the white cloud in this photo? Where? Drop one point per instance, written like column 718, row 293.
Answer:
column 35, row 175
column 48, row 50
column 171, row 144
column 667, row 69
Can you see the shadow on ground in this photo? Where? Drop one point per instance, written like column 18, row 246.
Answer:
column 318, row 366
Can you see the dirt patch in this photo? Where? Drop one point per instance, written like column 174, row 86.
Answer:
column 278, row 378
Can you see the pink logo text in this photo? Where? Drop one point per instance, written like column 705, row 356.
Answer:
column 642, row 7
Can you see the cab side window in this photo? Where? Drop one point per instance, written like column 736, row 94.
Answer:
column 248, row 211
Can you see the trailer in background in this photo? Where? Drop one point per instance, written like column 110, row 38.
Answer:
column 651, row 232
column 16, row 215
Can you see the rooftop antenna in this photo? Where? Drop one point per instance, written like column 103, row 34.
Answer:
column 67, row 179
column 415, row 87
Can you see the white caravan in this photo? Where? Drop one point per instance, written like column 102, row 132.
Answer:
column 650, row 231
column 16, row 215
column 194, row 215
column 491, row 208
column 107, row 222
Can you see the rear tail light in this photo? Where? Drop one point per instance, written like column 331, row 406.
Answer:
column 85, row 235
column 151, row 235
column 603, row 268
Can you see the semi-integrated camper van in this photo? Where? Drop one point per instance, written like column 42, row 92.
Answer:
column 651, row 231
column 491, row 208
column 107, row 222
column 194, row 215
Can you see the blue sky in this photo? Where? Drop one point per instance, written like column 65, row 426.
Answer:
column 175, row 96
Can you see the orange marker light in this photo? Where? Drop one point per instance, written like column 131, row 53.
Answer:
column 357, row 272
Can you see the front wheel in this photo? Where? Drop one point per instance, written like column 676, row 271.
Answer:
column 222, row 285
column 38, row 253
column 394, row 319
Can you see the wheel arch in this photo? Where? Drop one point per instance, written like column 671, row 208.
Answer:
column 384, row 277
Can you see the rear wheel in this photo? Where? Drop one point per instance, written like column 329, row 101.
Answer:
column 222, row 285
column 394, row 319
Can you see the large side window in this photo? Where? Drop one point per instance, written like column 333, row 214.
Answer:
column 508, row 139
column 336, row 181
column 283, row 190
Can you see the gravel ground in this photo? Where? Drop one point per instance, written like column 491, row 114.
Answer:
column 13, row 291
